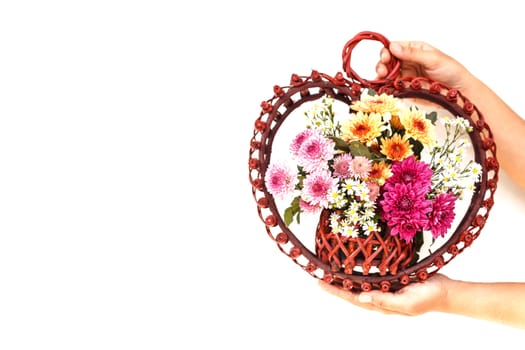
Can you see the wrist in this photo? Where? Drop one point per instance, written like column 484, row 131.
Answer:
column 472, row 88
column 450, row 289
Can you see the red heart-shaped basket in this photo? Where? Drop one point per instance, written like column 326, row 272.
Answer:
column 383, row 254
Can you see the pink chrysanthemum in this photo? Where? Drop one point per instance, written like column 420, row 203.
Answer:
column 317, row 188
column 373, row 190
column 280, row 179
column 298, row 141
column 361, row 167
column 307, row 207
column 442, row 214
column 410, row 171
column 405, row 209
column 343, row 166
column 315, row 152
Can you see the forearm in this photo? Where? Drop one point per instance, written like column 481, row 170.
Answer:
column 496, row 302
column 507, row 126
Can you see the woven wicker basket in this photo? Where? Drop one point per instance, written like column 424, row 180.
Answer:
column 378, row 261
column 386, row 252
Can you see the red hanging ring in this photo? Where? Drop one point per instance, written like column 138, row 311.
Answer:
column 393, row 67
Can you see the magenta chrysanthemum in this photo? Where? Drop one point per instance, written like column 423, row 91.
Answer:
column 410, row 171
column 317, row 187
column 315, row 152
column 361, row 167
column 343, row 166
column 406, row 228
column 442, row 214
column 298, row 141
column 405, row 209
column 280, row 180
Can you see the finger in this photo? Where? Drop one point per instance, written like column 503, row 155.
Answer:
column 415, row 51
column 368, row 300
column 381, row 70
column 339, row 292
column 385, row 56
column 409, row 46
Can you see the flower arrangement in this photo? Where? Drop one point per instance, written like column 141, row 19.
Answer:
column 379, row 168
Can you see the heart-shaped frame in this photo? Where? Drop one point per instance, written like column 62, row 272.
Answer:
column 315, row 86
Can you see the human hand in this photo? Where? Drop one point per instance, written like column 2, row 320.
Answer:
column 414, row 299
column 419, row 59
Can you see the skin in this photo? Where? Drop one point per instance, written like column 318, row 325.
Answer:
column 441, row 293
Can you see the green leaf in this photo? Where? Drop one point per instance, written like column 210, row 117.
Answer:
column 418, row 243
column 432, row 116
column 288, row 216
column 359, row 149
column 295, row 204
column 417, row 147
column 340, row 144
column 293, row 210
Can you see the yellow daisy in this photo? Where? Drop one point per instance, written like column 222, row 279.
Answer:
column 362, row 127
column 396, row 147
column 381, row 104
column 418, row 127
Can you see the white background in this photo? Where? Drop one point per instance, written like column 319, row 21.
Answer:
column 126, row 214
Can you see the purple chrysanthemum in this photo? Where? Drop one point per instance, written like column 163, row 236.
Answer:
column 280, row 179
column 442, row 214
column 405, row 209
column 343, row 166
column 410, row 171
column 317, row 188
column 315, row 152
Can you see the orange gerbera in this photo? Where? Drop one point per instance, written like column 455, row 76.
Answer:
column 362, row 127
column 396, row 123
column 396, row 147
column 379, row 173
column 418, row 127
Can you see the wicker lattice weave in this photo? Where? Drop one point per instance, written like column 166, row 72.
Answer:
column 386, row 253
column 373, row 262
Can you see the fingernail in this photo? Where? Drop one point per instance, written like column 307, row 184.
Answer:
column 364, row 298
column 396, row 48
